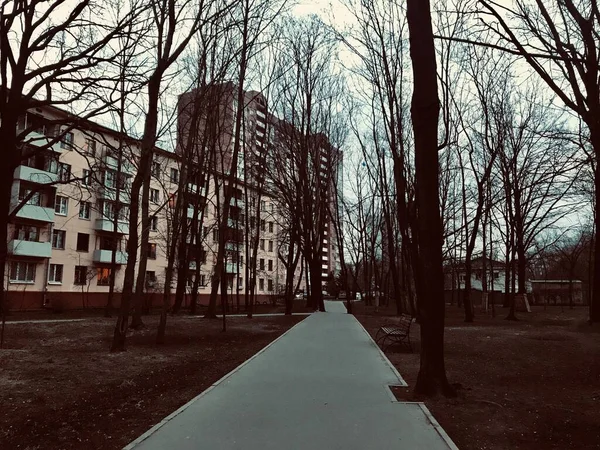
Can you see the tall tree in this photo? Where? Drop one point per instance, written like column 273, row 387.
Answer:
column 176, row 23
column 425, row 112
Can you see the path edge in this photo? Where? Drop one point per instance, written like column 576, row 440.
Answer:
column 383, row 355
column 182, row 408
column 436, row 425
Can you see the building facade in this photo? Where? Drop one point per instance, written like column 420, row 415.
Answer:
column 70, row 200
column 69, row 231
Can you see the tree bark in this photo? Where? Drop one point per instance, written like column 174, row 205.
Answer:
column 425, row 113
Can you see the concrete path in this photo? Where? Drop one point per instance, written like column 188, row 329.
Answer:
column 323, row 385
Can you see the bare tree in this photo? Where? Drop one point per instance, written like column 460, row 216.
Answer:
column 170, row 18
column 559, row 39
column 51, row 55
column 425, row 112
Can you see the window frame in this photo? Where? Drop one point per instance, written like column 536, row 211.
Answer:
column 52, row 273
column 27, row 266
column 89, row 210
column 58, row 205
column 67, row 140
column 100, row 279
column 77, row 276
column 174, row 171
column 154, row 196
column 62, row 233
column 87, row 249
column 151, row 251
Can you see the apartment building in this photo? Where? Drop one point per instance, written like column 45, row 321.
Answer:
column 71, row 228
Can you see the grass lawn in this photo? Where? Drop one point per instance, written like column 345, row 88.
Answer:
column 532, row 384
column 61, row 388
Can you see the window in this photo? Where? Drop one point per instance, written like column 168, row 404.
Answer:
column 270, row 285
column 64, row 172
column 270, row 264
column 67, row 140
column 35, row 198
column 154, row 196
column 22, row 272
column 103, row 276
column 262, row 244
column 61, row 205
column 205, row 232
column 110, row 179
column 215, row 236
column 263, row 225
column 261, row 284
column 26, row 233
column 496, row 275
column 262, row 264
column 90, row 147
column 271, row 227
column 84, row 210
column 58, row 239
column 155, row 169
column 270, row 246
column 86, row 179
column 174, row 175
column 263, row 205
column 83, row 242
column 55, row 274
column 153, row 223
column 109, row 243
column 202, row 280
column 80, row 275
column 151, row 251
column 150, row 278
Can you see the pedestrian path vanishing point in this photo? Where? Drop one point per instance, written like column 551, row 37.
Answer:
column 323, row 385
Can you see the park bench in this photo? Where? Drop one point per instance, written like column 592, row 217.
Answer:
column 396, row 332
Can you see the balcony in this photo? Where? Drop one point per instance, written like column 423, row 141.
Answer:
column 231, row 268
column 240, row 202
column 190, row 213
column 236, row 246
column 113, row 163
column 34, row 175
column 108, row 193
column 105, row 257
column 108, row 226
column 34, row 212
column 18, row 247
column 40, row 140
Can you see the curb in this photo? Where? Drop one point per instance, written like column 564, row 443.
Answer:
column 152, row 430
column 383, row 356
column 451, row 445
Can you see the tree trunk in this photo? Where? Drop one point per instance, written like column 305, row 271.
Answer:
column 140, row 284
column 595, row 303
column 150, row 126
column 425, row 111
column 467, row 303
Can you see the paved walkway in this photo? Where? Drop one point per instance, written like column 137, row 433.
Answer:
column 321, row 386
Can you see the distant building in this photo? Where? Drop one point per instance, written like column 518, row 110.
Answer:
column 492, row 277
column 557, row 292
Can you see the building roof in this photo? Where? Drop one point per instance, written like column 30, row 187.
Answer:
column 555, row 281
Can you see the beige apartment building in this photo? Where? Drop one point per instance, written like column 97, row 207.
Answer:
column 62, row 238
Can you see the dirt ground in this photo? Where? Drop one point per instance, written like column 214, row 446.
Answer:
column 61, row 388
column 532, row 384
